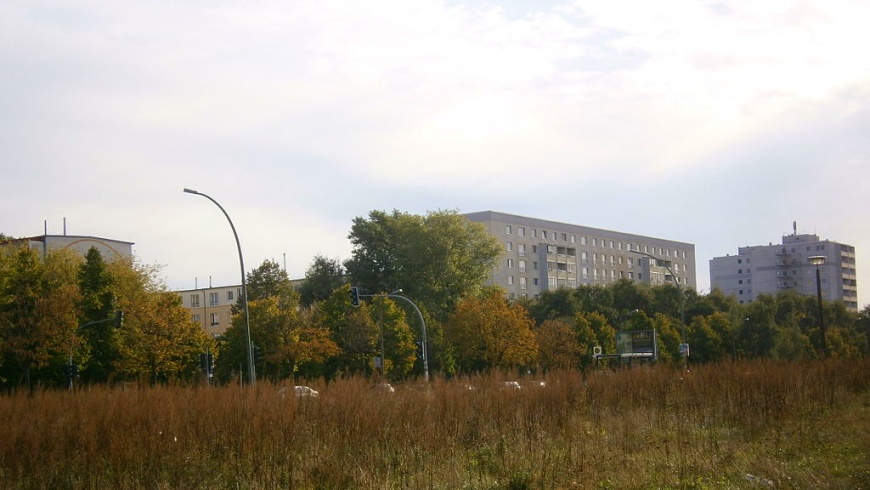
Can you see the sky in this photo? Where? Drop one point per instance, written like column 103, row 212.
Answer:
column 717, row 123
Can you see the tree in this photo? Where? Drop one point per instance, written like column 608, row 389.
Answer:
column 38, row 316
column 96, row 305
column 436, row 259
column 269, row 279
column 321, row 279
column 488, row 332
column 558, row 345
column 352, row 329
column 158, row 340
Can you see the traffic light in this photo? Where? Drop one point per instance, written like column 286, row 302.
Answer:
column 354, row 295
column 419, row 346
column 119, row 318
column 257, row 353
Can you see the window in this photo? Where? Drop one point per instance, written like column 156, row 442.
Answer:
column 194, row 300
column 510, row 280
column 551, row 250
column 522, row 249
column 544, row 234
column 594, row 258
column 534, row 265
column 521, row 231
column 551, row 281
column 212, row 299
column 509, row 246
column 582, row 240
column 215, row 319
column 535, row 281
column 564, row 237
column 594, row 242
column 510, row 263
column 584, row 256
column 507, row 229
column 230, row 295
column 585, row 273
column 522, row 266
column 572, row 238
column 534, row 233
column 196, row 318
column 534, row 249
column 611, row 243
column 523, row 283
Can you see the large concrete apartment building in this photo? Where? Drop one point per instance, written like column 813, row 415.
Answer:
column 769, row 269
column 543, row 255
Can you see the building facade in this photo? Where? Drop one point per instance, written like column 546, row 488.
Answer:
column 543, row 255
column 769, row 269
column 211, row 307
column 108, row 248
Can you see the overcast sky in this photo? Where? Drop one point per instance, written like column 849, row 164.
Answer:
column 713, row 123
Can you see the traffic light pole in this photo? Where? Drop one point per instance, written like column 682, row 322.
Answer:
column 355, row 297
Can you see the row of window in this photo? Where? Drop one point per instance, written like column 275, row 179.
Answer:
column 214, row 317
column 572, row 281
column 544, row 235
column 213, row 299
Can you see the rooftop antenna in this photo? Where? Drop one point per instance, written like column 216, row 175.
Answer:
column 794, row 226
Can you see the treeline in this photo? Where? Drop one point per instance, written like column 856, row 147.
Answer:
column 59, row 311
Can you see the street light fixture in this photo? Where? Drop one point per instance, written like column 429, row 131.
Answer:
column 819, row 260
column 249, row 349
column 684, row 347
column 395, row 294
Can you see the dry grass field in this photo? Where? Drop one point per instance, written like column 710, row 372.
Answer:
column 740, row 425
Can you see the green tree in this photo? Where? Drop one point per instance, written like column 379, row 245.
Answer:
column 96, row 305
column 38, row 316
column 158, row 340
column 322, row 278
column 436, row 259
column 352, row 329
column 269, row 279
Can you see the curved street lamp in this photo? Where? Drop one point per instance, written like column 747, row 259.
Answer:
column 818, row 260
column 248, row 349
column 395, row 294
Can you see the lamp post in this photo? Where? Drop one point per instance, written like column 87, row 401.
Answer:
column 248, row 349
column 395, row 294
column 819, row 260
column 684, row 347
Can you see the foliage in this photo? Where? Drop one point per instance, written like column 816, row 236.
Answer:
column 436, row 259
column 558, row 344
column 487, row 332
column 96, row 306
column 38, row 312
column 321, row 279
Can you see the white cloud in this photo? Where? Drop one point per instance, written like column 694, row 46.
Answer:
column 301, row 115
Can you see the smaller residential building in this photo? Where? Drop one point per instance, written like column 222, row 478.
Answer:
column 211, row 307
column 769, row 269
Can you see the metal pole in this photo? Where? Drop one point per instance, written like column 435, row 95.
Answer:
column 821, row 314
column 682, row 300
column 249, row 349
column 424, row 347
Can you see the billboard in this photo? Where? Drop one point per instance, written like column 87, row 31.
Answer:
column 637, row 343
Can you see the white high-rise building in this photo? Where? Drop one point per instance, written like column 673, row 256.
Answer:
column 769, row 269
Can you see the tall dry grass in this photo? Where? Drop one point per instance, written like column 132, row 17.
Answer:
column 788, row 425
